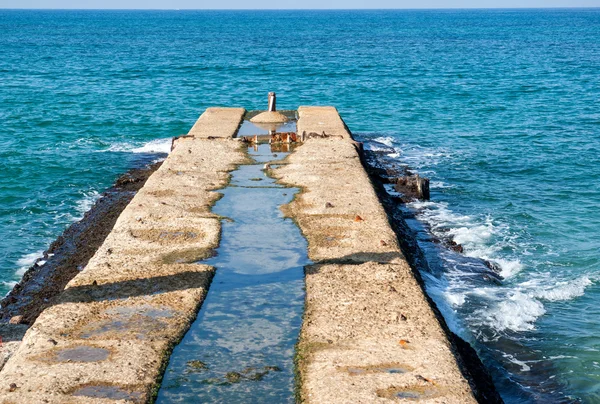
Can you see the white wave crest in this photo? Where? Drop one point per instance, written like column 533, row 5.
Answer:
column 479, row 238
column 120, row 147
column 518, row 308
column 518, row 312
column 162, row 146
column 472, row 236
column 9, row 284
column 386, row 140
column 455, row 299
column 26, row 261
column 440, row 185
column 508, row 268
column 157, row 146
column 87, row 202
column 561, row 291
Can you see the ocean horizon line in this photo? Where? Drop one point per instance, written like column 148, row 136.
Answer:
column 309, row 9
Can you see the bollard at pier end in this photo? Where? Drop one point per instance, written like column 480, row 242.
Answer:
column 272, row 102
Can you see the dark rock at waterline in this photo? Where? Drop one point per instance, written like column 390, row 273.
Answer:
column 16, row 320
column 385, row 173
column 493, row 266
column 413, row 186
column 248, row 374
column 196, row 366
column 456, row 247
column 233, row 377
column 477, row 374
column 128, row 178
column 493, row 279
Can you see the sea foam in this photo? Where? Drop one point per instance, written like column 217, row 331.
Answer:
column 86, row 203
column 27, row 260
column 157, row 146
column 516, row 304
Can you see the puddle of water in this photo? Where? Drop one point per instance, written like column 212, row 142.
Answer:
column 393, row 370
column 416, row 393
column 409, row 394
column 107, row 391
column 357, row 371
column 82, row 354
column 241, row 347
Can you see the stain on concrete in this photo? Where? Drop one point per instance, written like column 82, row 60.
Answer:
column 81, row 353
column 110, row 392
column 391, row 368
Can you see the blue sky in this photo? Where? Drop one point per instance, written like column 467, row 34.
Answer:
column 293, row 4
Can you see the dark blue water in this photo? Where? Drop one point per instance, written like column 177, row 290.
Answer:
column 499, row 108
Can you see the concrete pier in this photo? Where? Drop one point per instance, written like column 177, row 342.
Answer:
column 108, row 336
column 369, row 333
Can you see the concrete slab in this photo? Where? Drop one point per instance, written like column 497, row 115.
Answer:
column 369, row 334
column 322, row 119
column 217, row 123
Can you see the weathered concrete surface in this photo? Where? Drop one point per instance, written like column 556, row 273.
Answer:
column 217, row 123
column 369, row 334
column 322, row 119
column 108, row 336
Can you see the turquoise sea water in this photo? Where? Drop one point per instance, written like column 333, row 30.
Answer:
column 499, row 108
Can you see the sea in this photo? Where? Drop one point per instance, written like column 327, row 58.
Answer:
column 499, row 108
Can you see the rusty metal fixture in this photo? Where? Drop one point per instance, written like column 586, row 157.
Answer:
column 284, row 137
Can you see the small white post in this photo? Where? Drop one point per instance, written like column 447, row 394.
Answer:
column 272, row 101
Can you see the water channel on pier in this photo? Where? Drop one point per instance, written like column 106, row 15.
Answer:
column 241, row 346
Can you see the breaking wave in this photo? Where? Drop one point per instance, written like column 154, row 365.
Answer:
column 157, row 146
column 26, row 261
column 511, row 305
